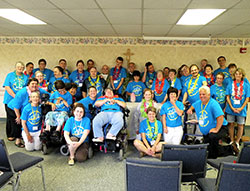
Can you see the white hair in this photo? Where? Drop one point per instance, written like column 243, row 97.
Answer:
column 205, row 88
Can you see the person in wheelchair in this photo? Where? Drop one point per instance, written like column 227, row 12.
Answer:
column 60, row 102
column 110, row 113
column 151, row 131
column 76, row 131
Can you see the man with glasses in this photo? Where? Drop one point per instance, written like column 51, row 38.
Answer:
column 223, row 68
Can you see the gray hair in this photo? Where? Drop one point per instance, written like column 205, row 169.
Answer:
column 205, row 88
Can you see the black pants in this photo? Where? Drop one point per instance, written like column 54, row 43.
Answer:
column 12, row 128
column 214, row 149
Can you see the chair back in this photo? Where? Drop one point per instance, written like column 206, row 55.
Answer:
column 144, row 175
column 5, row 164
column 193, row 157
column 244, row 156
column 233, row 176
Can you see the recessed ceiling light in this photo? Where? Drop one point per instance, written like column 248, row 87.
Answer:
column 199, row 16
column 20, row 17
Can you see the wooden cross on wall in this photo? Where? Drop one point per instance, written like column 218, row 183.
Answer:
column 128, row 55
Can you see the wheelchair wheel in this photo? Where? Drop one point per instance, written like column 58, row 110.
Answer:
column 64, row 150
column 90, row 152
column 44, row 149
column 121, row 155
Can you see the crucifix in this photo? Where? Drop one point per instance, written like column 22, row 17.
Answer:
column 128, row 55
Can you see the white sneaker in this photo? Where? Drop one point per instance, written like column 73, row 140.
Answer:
column 238, row 145
column 231, row 143
column 97, row 140
column 110, row 137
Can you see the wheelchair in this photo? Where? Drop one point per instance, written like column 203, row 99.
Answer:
column 47, row 138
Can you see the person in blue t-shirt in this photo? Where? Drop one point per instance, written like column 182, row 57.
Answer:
column 203, row 63
column 218, row 91
column 58, row 75
column 238, row 94
column 76, row 131
column 78, row 76
column 42, row 68
column 13, row 82
column 149, row 75
column 184, row 75
column 223, row 68
column 63, row 64
column 89, row 101
column 174, row 81
column 171, row 113
column 31, row 123
column 60, row 102
column 29, row 70
column 110, row 113
column 160, row 87
column 117, row 76
column 151, row 131
column 135, row 89
column 93, row 80
column 208, row 74
column 212, row 123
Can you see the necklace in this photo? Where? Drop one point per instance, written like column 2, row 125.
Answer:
column 190, row 91
column 116, row 72
column 152, row 135
column 158, row 88
column 237, row 91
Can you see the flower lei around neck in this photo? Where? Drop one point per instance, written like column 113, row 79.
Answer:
column 237, row 91
column 159, row 88
column 116, row 73
column 144, row 107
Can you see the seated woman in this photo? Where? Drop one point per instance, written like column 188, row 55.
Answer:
column 151, row 131
column 135, row 88
column 58, row 75
column 76, row 132
column 171, row 112
column 41, row 81
column 31, row 123
column 110, row 113
column 89, row 100
column 141, row 110
column 60, row 102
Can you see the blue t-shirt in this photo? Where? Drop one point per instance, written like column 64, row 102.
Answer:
column 22, row 99
column 53, row 80
column 77, row 128
column 149, row 76
column 66, row 73
column 16, row 83
column 224, row 71
column 237, row 103
column 184, row 80
column 122, row 74
column 78, row 79
column 176, row 83
column 47, row 73
column 150, row 135
column 136, row 88
column 160, row 97
column 33, row 117
column 193, row 92
column 229, row 80
column 60, row 106
column 207, row 115
column 108, row 107
column 98, row 82
column 86, row 101
column 219, row 94
column 172, row 118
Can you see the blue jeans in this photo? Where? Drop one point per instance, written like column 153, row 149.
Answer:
column 102, row 118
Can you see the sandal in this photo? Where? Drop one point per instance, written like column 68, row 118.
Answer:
column 19, row 145
column 71, row 162
column 11, row 138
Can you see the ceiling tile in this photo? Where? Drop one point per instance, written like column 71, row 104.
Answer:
column 101, row 30
column 244, row 4
column 156, row 30
column 3, row 4
column 52, row 16
column 85, row 16
column 73, row 29
column 240, row 30
column 120, row 4
column 234, row 16
column 31, row 4
column 75, row 4
column 127, row 28
column 159, row 16
column 213, row 30
column 165, row 4
column 212, row 4
column 25, row 30
column 184, row 31
column 49, row 30
column 123, row 16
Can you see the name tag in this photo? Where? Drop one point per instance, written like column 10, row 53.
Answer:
column 80, row 85
column 152, row 142
column 35, row 128
column 115, row 81
column 236, row 102
column 201, row 122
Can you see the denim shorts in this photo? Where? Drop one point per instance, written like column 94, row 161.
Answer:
column 233, row 118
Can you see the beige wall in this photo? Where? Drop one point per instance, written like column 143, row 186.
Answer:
column 160, row 53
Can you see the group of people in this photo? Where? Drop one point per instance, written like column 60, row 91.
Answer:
column 213, row 96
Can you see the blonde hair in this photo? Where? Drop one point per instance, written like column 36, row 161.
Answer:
column 38, row 72
column 240, row 70
column 20, row 63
